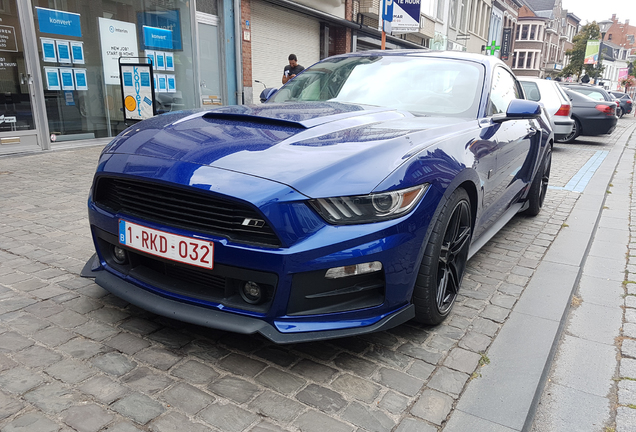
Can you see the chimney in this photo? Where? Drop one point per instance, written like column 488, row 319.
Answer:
column 613, row 17
column 627, row 22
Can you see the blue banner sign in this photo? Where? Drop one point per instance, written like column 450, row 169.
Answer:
column 58, row 22
column 157, row 38
column 166, row 20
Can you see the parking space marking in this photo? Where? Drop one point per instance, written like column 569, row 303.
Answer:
column 580, row 180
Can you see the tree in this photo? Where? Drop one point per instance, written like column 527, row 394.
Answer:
column 577, row 53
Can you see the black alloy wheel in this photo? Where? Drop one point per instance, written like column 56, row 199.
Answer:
column 453, row 256
column 444, row 261
column 540, row 184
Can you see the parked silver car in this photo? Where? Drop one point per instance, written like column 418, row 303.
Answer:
column 555, row 101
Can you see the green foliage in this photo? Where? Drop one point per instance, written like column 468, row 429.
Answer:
column 577, row 53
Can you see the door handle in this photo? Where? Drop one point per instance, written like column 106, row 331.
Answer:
column 25, row 78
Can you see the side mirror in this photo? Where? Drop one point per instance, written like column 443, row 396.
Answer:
column 519, row 109
column 267, row 93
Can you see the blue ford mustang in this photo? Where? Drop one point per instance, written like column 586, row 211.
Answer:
column 349, row 202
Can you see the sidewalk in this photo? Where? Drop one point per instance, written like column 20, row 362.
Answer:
column 592, row 383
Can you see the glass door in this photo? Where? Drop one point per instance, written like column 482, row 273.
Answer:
column 209, row 60
column 18, row 119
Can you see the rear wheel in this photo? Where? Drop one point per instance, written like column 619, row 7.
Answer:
column 539, row 185
column 576, row 131
column 444, row 260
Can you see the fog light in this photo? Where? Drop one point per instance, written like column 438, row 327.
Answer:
column 252, row 293
column 351, row 270
column 119, row 255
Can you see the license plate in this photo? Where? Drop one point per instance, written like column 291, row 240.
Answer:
column 174, row 247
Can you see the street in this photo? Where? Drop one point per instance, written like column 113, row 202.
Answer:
column 75, row 358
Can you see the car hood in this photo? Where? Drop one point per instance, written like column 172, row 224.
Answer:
column 316, row 148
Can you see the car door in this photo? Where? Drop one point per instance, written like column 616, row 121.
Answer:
column 515, row 154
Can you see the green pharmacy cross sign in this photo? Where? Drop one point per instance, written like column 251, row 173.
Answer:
column 492, row 47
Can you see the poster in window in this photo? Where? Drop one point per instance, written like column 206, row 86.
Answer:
column 151, row 55
column 162, row 82
column 63, row 51
column 48, row 50
column 81, row 83
column 52, row 79
column 77, row 52
column 171, row 83
column 66, row 77
column 169, row 61
column 161, row 60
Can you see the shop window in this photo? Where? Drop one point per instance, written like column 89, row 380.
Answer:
column 82, row 40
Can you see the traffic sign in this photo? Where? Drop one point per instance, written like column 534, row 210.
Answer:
column 387, row 10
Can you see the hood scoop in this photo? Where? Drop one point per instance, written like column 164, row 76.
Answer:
column 253, row 120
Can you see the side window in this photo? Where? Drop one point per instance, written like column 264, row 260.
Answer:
column 504, row 90
column 531, row 90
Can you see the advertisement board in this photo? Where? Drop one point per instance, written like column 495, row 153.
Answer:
column 591, row 52
column 137, row 90
column 406, row 16
column 118, row 39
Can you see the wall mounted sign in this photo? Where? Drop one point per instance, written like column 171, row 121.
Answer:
column 63, row 51
column 48, row 50
column 59, row 23
column 8, row 41
column 505, row 44
column 77, row 52
column 81, row 82
column 118, row 39
column 155, row 37
column 52, row 79
column 137, row 90
column 167, row 20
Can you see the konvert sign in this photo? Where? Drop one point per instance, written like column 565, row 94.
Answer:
column 137, row 90
column 59, row 23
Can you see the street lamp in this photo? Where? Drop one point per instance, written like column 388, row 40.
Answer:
column 603, row 26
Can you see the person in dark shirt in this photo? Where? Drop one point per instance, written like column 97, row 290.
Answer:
column 292, row 69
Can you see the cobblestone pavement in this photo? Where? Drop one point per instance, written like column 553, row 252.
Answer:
column 75, row 358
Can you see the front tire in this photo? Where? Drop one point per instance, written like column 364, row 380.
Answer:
column 539, row 187
column 444, row 260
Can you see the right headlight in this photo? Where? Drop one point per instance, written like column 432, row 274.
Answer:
column 370, row 208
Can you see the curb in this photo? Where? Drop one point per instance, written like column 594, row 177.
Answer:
column 506, row 397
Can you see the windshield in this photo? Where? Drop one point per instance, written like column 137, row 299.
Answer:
column 421, row 85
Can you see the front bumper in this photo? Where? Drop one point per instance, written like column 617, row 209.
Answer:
column 209, row 317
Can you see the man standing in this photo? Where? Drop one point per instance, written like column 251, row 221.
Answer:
column 293, row 69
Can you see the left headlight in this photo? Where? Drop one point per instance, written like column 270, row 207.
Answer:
column 368, row 208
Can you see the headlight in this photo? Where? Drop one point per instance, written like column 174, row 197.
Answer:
column 368, row 208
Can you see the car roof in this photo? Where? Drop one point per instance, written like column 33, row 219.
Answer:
column 456, row 55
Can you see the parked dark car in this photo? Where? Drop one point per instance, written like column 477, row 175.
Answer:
column 591, row 117
column 594, row 92
column 625, row 101
column 349, row 202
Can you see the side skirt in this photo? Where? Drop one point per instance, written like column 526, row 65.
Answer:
column 494, row 229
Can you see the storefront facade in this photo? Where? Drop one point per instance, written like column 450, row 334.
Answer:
column 59, row 64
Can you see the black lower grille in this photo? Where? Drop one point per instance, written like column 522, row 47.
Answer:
column 220, row 285
column 185, row 208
